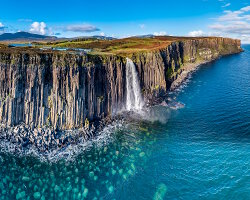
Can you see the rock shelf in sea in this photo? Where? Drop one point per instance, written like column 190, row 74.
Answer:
column 44, row 139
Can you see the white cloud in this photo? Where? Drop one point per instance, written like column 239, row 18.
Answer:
column 226, row 5
column 50, row 31
column 38, row 28
column 230, row 16
column 238, row 27
column 161, row 33
column 236, row 15
column 196, row 33
column 2, row 27
column 245, row 9
column 102, row 34
column 234, row 24
column 245, row 39
column 86, row 28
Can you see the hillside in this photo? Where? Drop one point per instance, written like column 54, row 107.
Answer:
column 126, row 47
column 24, row 36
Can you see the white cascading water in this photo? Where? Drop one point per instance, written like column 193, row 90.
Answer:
column 134, row 98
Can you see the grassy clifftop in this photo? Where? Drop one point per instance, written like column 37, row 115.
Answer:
column 126, row 46
column 52, row 87
column 122, row 47
column 118, row 46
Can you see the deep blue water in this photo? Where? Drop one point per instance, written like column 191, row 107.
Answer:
column 201, row 152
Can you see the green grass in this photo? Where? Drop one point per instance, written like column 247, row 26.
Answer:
column 122, row 47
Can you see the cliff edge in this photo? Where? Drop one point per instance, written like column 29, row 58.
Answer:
column 61, row 89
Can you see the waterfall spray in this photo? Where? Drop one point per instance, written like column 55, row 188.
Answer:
column 134, row 98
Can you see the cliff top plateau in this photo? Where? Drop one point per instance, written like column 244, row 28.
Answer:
column 107, row 46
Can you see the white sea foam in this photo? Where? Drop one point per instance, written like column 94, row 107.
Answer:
column 67, row 153
column 134, row 110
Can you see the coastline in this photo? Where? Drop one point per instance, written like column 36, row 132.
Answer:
column 48, row 138
column 49, row 144
column 189, row 68
column 186, row 71
column 23, row 139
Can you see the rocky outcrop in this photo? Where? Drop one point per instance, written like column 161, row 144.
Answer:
column 57, row 89
column 43, row 139
column 61, row 90
column 160, row 68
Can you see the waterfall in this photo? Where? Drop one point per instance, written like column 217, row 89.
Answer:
column 133, row 90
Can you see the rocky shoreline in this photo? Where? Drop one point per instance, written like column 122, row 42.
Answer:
column 47, row 139
column 186, row 71
column 59, row 92
column 43, row 139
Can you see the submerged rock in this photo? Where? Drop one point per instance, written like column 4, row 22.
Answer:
column 37, row 195
column 85, row 192
column 113, row 171
column 91, row 174
column 160, row 192
column 43, row 140
column 111, row 189
column 20, row 195
column 142, row 154
column 25, row 178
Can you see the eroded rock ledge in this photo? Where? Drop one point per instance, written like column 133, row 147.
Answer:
column 60, row 90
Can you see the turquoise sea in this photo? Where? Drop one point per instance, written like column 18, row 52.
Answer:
column 200, row 151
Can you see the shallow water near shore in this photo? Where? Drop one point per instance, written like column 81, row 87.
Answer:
column 200, row 151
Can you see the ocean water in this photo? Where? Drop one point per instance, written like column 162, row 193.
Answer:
column 200, row 151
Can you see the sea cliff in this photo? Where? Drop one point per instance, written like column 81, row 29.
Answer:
column 61, row 90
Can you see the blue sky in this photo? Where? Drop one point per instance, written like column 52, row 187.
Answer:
column 70, row 18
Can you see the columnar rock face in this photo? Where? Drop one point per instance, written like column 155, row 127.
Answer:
column 159, row 68
column 61, row 90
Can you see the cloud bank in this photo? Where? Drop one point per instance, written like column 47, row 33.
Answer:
column 1, row 27
column 234, row 24
column 226, row 5
column 161, row 33
column 81, row 28
column 198, row 33
column 38, row 28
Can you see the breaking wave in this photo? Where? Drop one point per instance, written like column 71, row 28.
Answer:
column 67, row 153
